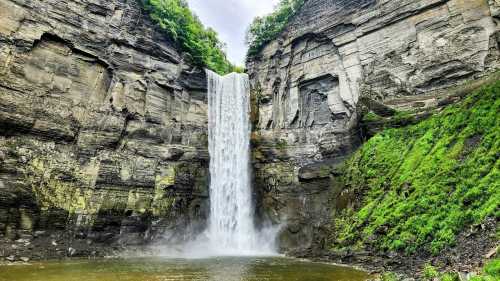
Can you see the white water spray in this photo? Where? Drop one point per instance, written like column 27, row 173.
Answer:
column 231, row 229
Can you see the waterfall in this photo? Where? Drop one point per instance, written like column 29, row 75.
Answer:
column 231, row 229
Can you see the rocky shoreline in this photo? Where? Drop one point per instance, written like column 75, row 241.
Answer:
column 475, row 248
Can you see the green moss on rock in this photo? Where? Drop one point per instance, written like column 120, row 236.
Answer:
column 422, row 185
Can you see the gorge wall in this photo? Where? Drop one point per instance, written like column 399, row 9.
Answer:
column 103, row 134
column 340, row 60
column 103, row 125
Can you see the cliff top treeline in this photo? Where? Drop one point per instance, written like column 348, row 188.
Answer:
column 265, row 29
column 202, row 44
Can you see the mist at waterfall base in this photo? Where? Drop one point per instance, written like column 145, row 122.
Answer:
column 231, row 229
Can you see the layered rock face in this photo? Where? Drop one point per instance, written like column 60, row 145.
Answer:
column 103, row 130
column 336, row 60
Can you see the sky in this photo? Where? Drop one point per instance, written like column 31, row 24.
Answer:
column 231, row 18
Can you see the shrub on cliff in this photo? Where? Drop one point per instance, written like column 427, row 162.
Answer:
column 202, row 44
column 424, row 184
column 267, row 28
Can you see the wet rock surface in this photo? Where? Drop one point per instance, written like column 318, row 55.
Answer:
column 338, row 63
column 103, row 139
column 466, row 258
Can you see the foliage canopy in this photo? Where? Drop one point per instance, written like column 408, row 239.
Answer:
column 267, row 28
column 202, row 44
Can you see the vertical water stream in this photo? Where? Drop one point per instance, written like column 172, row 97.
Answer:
column 231, row 229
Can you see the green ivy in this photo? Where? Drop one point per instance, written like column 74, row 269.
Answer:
column 267, row 28
column 202, row 44
column 422, row 185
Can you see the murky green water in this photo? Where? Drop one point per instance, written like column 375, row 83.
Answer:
column 223, row 269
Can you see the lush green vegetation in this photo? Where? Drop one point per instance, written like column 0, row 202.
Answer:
column 491, row 272
column 422, row 185
column 202, row 44
column 265, row 29
column 371, row 117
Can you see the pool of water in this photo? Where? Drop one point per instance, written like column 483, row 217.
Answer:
column 157, row 269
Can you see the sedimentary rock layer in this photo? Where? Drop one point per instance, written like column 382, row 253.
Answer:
column 337, row 58
column 102, row 125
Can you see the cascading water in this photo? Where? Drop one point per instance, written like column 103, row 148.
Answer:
column 231, row 229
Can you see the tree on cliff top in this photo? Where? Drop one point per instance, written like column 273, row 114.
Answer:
column 265, row 29
column 202, row 44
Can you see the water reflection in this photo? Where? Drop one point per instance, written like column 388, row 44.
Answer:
column 237, row 270
column 216, row 269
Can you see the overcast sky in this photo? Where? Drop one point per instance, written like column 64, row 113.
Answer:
column 230, row 18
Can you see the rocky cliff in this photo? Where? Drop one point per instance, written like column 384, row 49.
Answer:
column 103, row 134
column 339, row 62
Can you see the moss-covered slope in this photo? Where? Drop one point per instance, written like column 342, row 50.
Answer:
column 421, row 185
